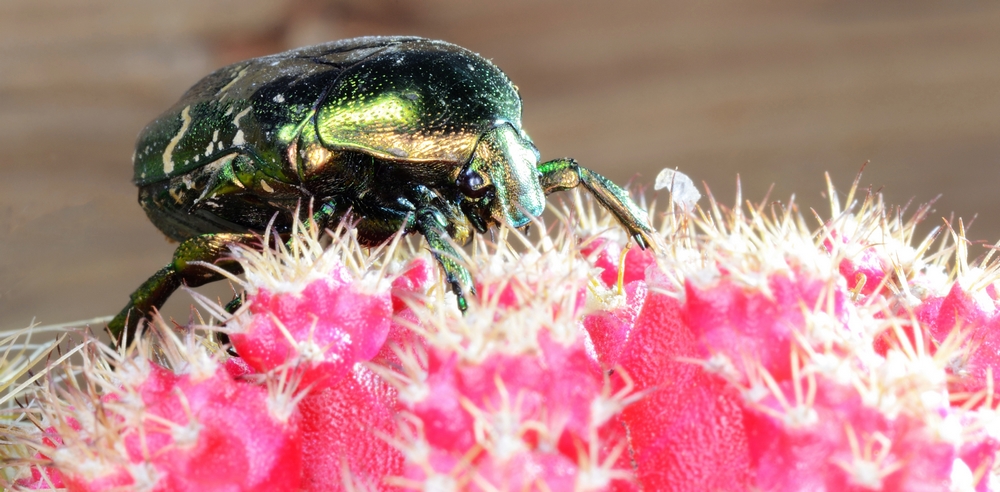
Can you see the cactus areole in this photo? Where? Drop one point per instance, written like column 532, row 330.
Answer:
column 405, row 133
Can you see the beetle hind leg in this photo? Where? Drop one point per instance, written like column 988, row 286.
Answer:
column 153, row 293
column 565, row 174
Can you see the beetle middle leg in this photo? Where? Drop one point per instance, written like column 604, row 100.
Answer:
column 153, row 293
column 565, row 174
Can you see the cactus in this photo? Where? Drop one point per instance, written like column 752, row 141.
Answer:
column 750, row 352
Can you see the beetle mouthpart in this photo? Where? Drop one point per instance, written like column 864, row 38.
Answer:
column 478, row 215
column 472, row 184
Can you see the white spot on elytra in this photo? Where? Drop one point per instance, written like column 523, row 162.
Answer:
column 239, row 139
column 266, row 187
column 228, row 112
column 240, row 115
column 168, row 153
column 233, row 82
column 215, row 138
column 279, row 98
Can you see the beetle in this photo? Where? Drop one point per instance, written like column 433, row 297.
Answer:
column 404, row 133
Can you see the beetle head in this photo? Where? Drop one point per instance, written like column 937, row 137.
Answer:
column 501, row 179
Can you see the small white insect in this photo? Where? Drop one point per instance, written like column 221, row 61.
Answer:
column 682, row 189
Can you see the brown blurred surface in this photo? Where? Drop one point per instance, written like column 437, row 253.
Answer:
column 778, row 92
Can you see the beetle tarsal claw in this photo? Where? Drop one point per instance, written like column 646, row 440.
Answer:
column 640, row 241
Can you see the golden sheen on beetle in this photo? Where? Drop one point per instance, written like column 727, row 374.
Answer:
column 401, row 132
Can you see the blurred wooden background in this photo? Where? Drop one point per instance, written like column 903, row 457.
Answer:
column 777, row 92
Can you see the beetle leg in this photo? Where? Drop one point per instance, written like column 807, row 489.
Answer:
column 432, row 225
column 327, row 213
column 209, row 248
column 457, row 223
column 565, row 174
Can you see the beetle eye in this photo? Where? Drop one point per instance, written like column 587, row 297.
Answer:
column 472, row 183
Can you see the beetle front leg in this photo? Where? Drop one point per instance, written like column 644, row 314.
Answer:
column 209, row 248
column 565, row 174
column 433, row 226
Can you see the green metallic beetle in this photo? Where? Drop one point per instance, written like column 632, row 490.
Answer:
column 403, row 132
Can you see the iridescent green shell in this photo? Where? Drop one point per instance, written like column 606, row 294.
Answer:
column 404, row 99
